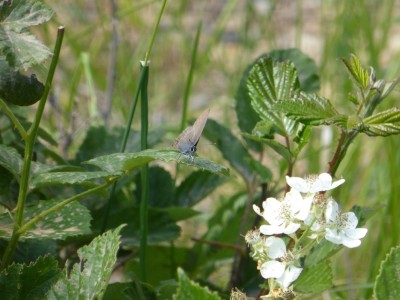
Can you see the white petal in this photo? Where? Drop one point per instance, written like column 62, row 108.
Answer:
column 276, row 247
column 333, row 237
column 272, row 209
column 291, row 228
column 295, row 200
column 351, row 220
column 290, row 275
column 323, row 183
column 297, row 183
column 337, row 183
column 351, row 243
column 304, row 209
column 357, row 233
column 272, row 269
column 332, row 211
column 257, row 210
column 271, row 229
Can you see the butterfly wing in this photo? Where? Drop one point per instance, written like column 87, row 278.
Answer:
column 198, row 126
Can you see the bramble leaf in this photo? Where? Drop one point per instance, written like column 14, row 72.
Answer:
column 384, row 123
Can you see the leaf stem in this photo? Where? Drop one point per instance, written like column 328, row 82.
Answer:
column 30, row 141
column 13, row 119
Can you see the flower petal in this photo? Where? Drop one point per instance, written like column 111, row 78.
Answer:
column 290, row 275
column 276, row 247
column 357, row 233
column 297, row 183
column 272, row 269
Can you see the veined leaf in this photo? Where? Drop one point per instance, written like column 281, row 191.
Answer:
column 358, row 73
column 387, row 281
column 273, row 144
column 129, row 161
column 20, row 47
column 71, row 220
column 89, row 278
column 31, row 281
column 383, row 124
column 315, row 279
column 309, row 109
column 268, row 83
column 189, row 290
column 70, row 178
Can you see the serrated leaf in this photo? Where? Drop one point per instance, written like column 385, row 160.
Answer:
column 70, row 178
column 315, row 279
column 29, row 281
column 387, row 282
column 189, row 290
column 309, row 109
column 129, row 161
column 320, row 253
column 11, row 160
column 20, row 47
column 358, row 73
column 306, row 68
column 268, row 83
column 71, row 220
column 389, row 86
column 89, row 278
column 196, row 187
column 384, row 123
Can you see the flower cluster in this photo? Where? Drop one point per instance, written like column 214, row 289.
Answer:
column 304, row 212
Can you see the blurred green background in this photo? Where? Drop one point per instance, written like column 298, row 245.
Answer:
column 233, row 34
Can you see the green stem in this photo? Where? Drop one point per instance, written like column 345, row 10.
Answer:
column 13, row 119
column 190, row 78
column 153, row 37
column 144, row 177
column 30, row 141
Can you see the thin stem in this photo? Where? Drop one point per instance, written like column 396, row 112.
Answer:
column 30, row 141
column 112, row 63
column 144, row 177
column 190, row 78
column 13, row 119
column 148, row 53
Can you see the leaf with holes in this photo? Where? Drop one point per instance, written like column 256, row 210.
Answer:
column 89, row 278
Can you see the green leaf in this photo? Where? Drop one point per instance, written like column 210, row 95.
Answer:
column 358, row 73
column 231, row 148
column 71, row 220
column 189, row 290
column 89, row 278
column 196, row 187
column 307, row 70
column 268, row 83
column 321, row 252
column 384, row 123
column 309, row 109
column 70, row 178
column 17, row 88
column 315, row 279
column 101, row 140
column 11, row 160
column 20, row 47
column 129, row 161
column 387, row 282
column 29, row 281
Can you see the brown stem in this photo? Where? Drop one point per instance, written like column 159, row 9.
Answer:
column 335, row 160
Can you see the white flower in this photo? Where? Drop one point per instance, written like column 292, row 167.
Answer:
column 283, row 216
column 341, row 228
column 284, row 273
column 313, row 184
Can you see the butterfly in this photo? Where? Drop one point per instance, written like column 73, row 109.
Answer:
column 186, row 142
